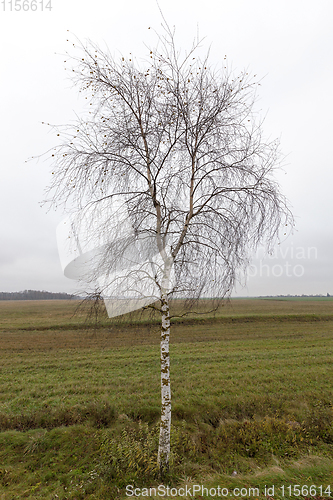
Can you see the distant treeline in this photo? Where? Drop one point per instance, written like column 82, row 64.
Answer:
column 35, row 295
column 299, row 296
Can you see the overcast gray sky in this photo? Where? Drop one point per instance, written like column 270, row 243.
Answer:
column 287, row 43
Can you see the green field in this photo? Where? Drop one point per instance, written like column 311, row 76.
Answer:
column 251, row 388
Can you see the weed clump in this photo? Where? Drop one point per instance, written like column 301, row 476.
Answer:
column 131, row 456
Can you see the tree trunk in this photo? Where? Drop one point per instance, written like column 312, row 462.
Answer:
column 164, row 442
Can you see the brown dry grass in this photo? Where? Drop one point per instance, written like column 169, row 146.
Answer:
column 52, row 325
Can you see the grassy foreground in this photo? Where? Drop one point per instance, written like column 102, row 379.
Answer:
column 252, row 393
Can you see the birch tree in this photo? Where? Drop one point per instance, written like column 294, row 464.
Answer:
column 181, row 145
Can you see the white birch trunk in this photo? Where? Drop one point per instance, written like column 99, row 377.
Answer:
column 165, row 426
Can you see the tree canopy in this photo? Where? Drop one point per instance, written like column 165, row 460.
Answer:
column 182, row 144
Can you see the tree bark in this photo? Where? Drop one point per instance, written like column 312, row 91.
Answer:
column 165, row 426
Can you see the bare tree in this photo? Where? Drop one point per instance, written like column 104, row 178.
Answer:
column 180, row 144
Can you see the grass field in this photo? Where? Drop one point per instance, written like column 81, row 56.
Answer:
column 251, row 388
